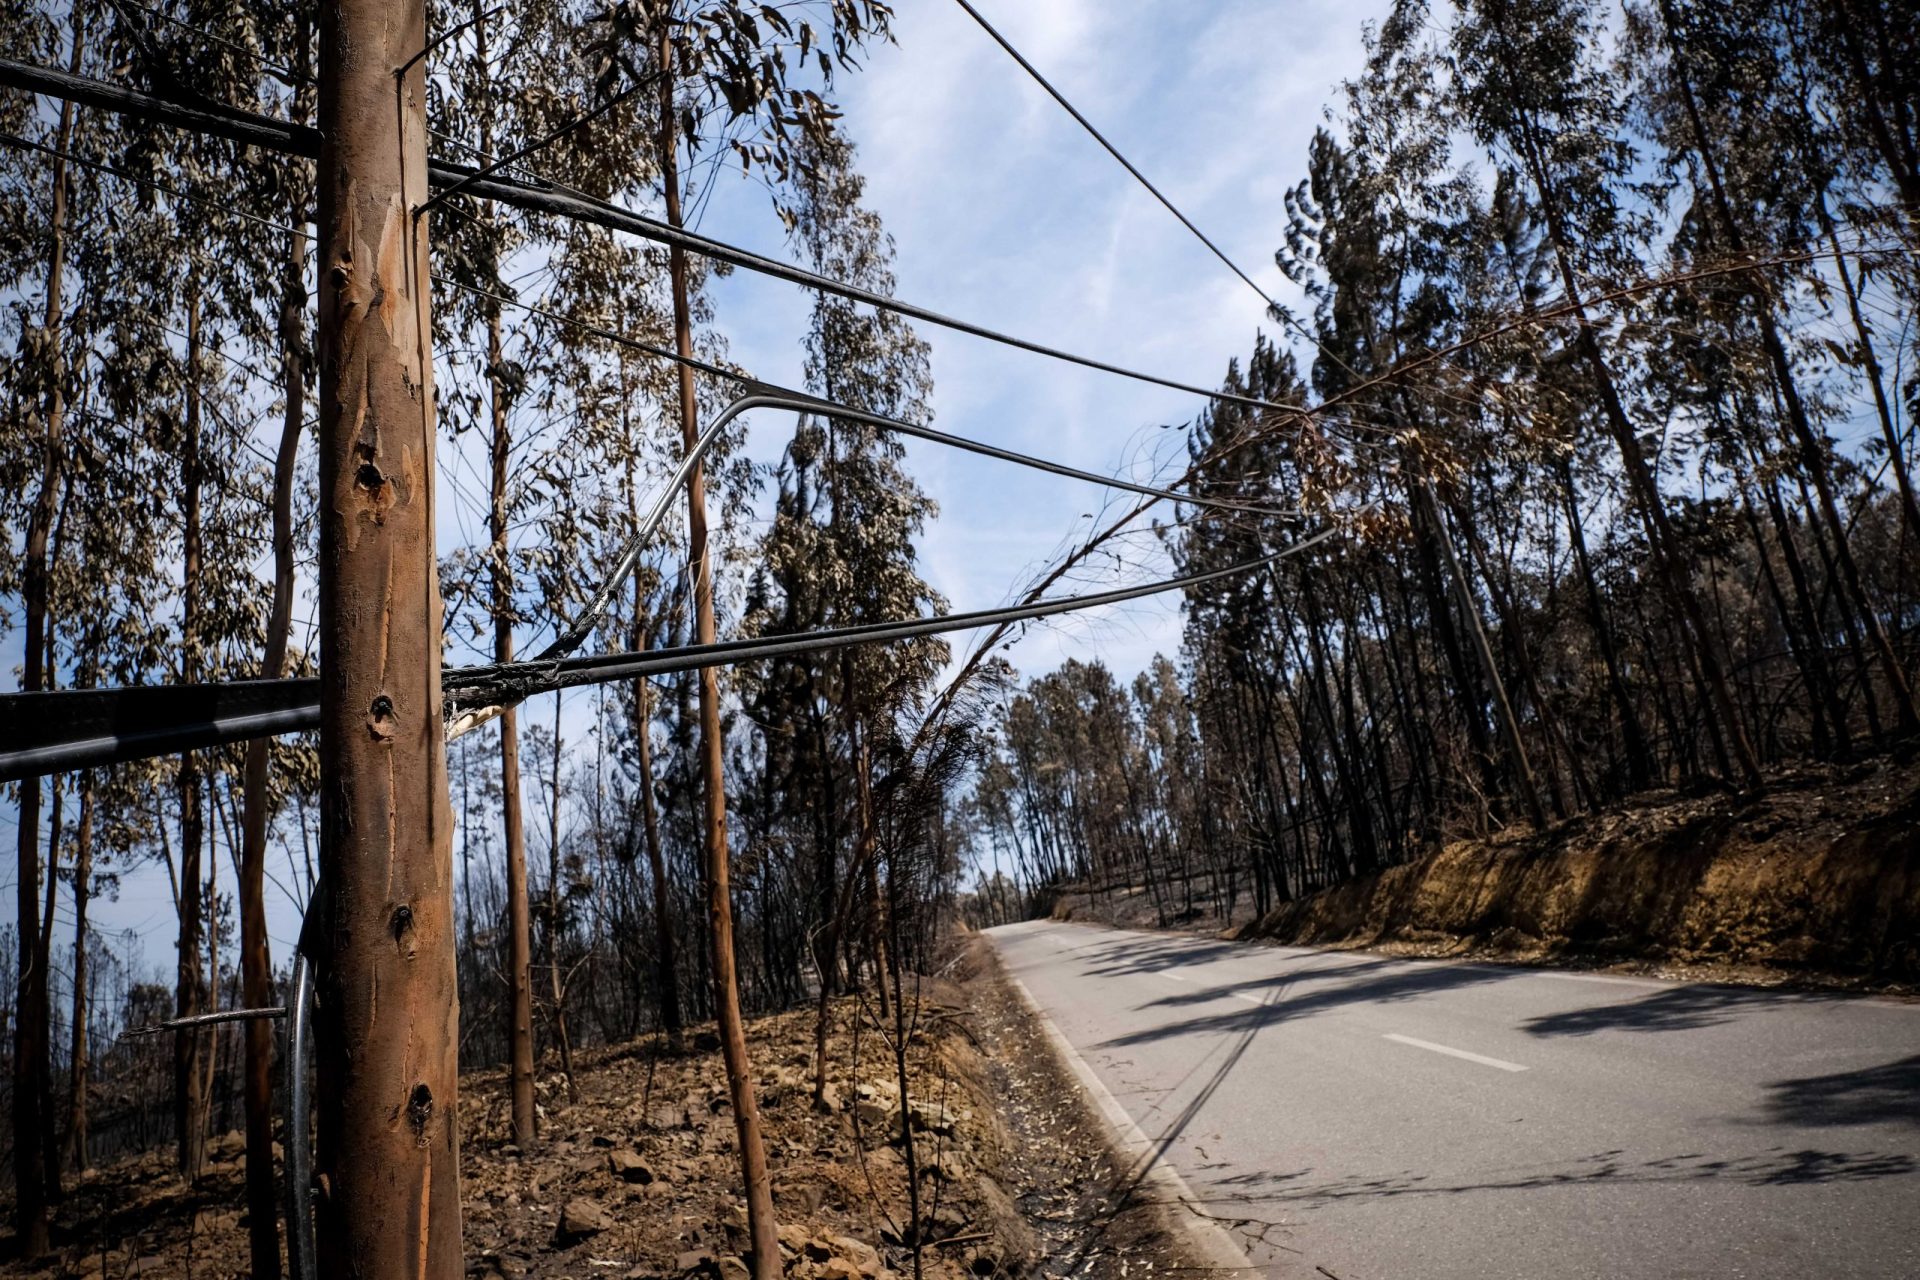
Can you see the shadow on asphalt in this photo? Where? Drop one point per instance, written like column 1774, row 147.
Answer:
column 1674, row 1009
column 1776, row 1166
column 1400, row 982
column 1120, row 957
column 1886, row 1094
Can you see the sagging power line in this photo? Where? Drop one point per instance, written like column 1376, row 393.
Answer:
column 541, row 196
column 54, row 731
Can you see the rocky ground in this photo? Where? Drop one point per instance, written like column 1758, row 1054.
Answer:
column 636, row 1176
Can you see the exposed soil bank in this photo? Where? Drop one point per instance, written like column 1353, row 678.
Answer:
column 1816, row 880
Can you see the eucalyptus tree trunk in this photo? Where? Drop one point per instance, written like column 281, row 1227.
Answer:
column 556, row 985
column 256, row 961
column 1870, row 368
column 190, row 986
column 73, row 1145
column 32, row 1069
column 512, row 815
column 1638, row 752
column 1523, row 776
column 388, row 1024
column 668, row 978
column 761, row 1224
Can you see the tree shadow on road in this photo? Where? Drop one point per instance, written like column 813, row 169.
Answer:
column 1399, row 982
column 1775, row 1166
column 1886, row 1094
column 1126, row 954
column 1686, row 1008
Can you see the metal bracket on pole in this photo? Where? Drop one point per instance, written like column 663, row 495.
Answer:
column 301, row 1261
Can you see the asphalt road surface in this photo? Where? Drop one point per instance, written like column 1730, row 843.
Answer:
column 1385, row 1119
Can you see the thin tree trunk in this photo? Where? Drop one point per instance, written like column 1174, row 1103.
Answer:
column 556, row 986
column 519, row 914
column 32, row 1068
column 669, row 977
column 1523, row 778
column 1634, row 743
column 190, row 988
column 256, row 962
column 43, row 962
column 761, row 1224
column 1875, row 376
column 73, row 1147
column 388, row 1010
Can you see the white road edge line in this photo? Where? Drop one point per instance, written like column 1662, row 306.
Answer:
column 1482, row 1059
column 1214, row 1243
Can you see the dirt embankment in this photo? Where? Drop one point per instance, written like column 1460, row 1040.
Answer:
column 1819, row 877
column 1816, row 880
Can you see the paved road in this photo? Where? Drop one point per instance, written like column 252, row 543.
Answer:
column 1405, row 1120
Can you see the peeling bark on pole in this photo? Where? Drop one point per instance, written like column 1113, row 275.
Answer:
column 389, row 1199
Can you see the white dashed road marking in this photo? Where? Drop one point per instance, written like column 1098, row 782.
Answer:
column 1429, row 1045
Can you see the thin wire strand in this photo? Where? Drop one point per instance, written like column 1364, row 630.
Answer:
column 1114, row 151
column 287, row 75
column 446, row 193
column 826, row 408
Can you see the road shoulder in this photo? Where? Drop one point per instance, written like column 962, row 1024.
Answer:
column 1137, row 1207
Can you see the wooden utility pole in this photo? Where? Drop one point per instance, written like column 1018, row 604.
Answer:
column 761, row 1225
column 388, row 1026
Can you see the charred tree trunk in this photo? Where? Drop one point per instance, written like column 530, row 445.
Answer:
column 671, row 1021
column 761, row 1224
column 32, row 1067
column 190, row 988
column 73, row 1146
column 556, row 984
column 388, row 1025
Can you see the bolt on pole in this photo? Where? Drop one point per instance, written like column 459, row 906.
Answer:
column 387, row 1150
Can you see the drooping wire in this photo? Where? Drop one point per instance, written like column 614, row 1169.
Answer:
column 810, row 403
column 71, row 729
column 539, row 144
column 545, row 196
column 1115, row 152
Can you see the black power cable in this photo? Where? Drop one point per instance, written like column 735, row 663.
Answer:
column 54, row 731
column 540, row 196
column 1114, row 151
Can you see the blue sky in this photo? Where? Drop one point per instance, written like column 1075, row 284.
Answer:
column 1005, row 213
